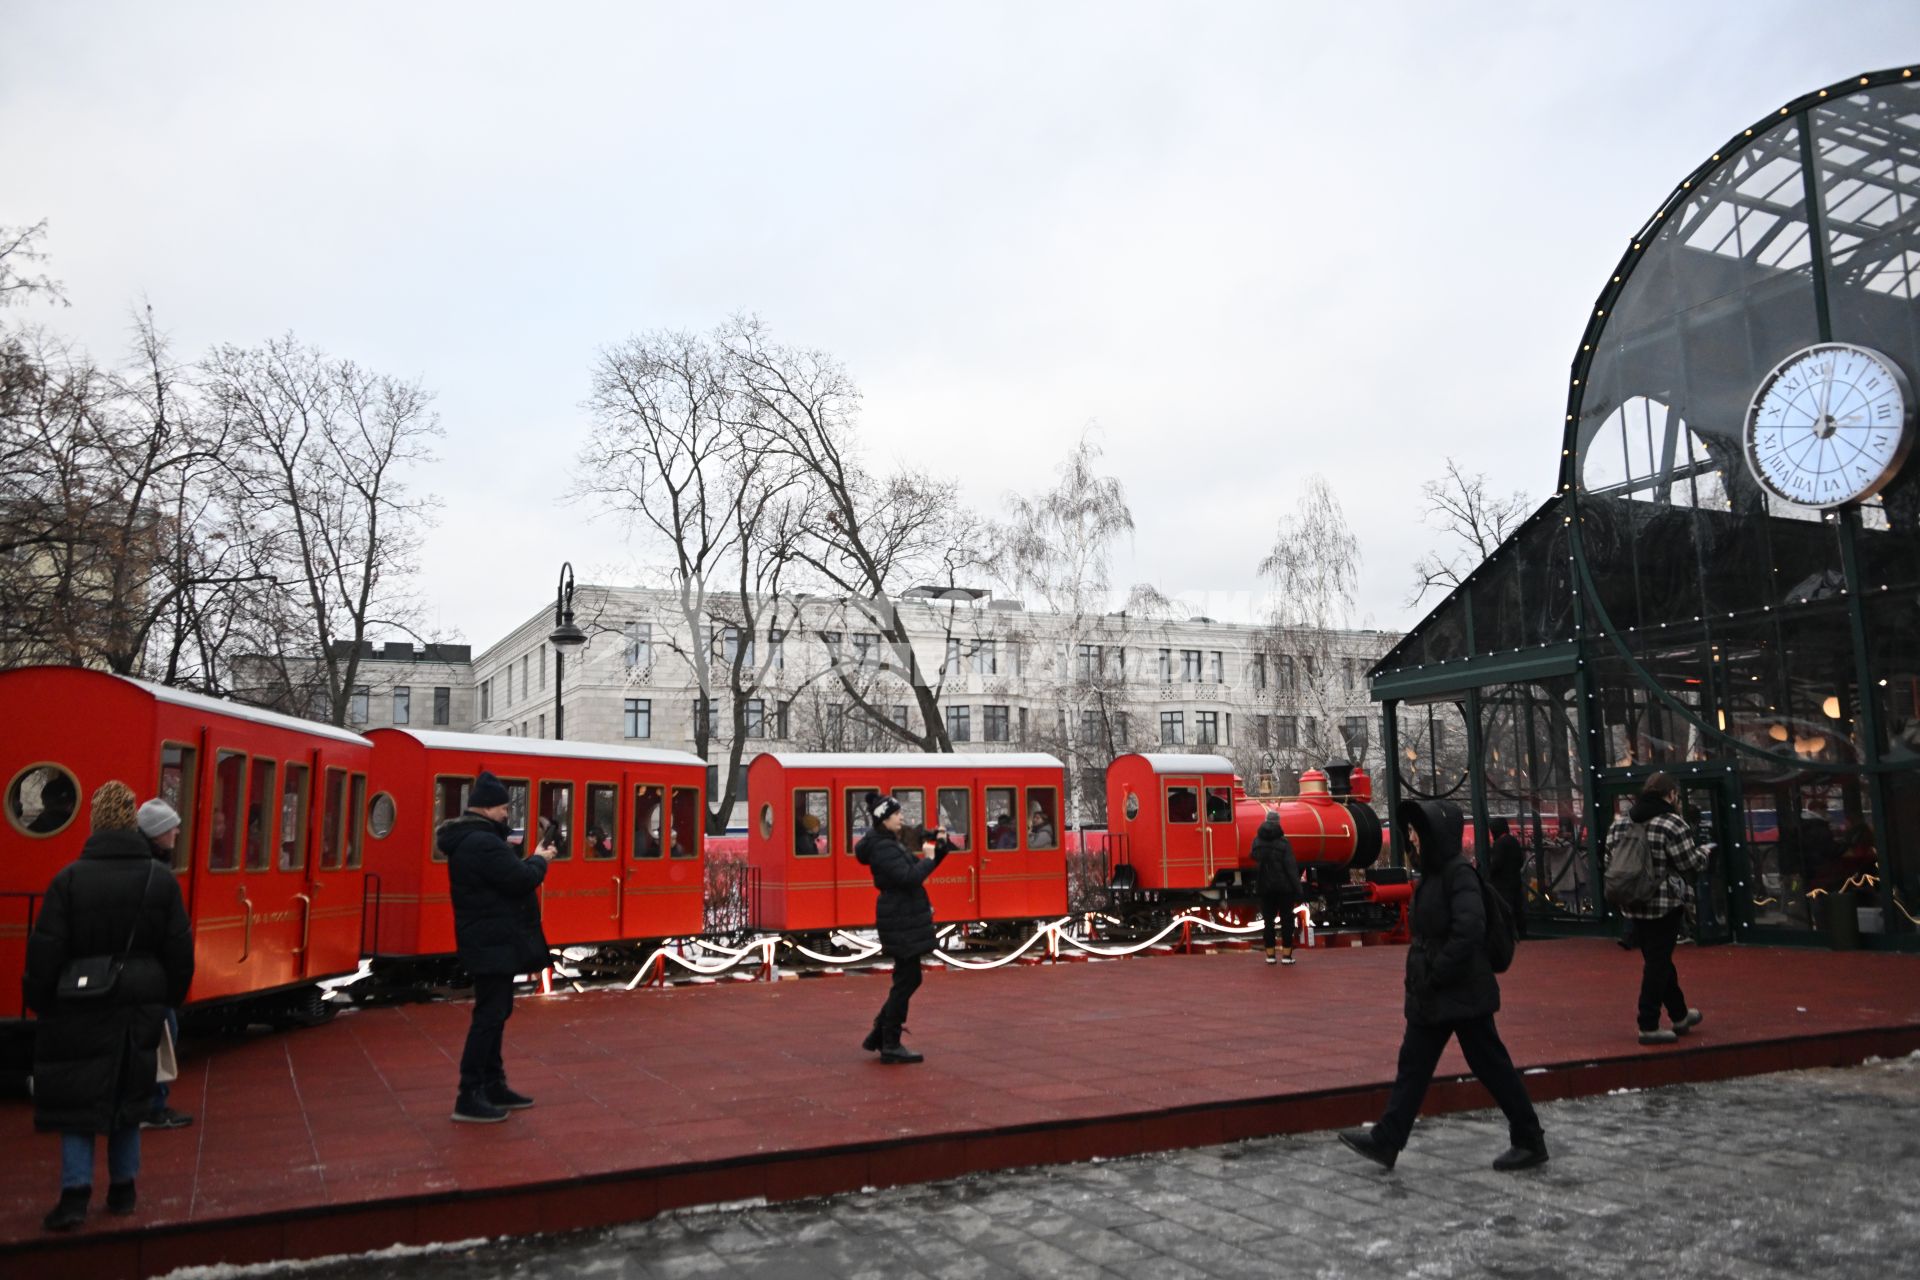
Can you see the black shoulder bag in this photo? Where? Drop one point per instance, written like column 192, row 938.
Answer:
column 93, row 977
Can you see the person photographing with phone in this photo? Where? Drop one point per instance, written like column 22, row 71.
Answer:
column 496, row 928
column 903, row 913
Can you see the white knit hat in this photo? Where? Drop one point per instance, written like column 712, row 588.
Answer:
column 157, row 818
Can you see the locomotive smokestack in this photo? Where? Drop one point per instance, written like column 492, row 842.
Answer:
column 1339, row 777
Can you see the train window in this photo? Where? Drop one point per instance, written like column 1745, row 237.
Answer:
column 817, row 807
column 355, row 824
column 859, row 821
column 42, row 799
column 603, row 820
column 1133, row 805
column 649, row 805
column 1183, row 804
column 229, row 789
column 449, row 802
column 687, row 814
column 332, row 820
column 766, row 822
column 1219, row 804
column 556, row 819
column 913, row 805
column 517, row 792
column 261, row 803
column 294, row 803
column 956, row 815
column 1043, row 818
column 178, row 769
column 1002, row 833
column 380, row 816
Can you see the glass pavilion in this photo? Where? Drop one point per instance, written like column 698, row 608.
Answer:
column 1665, row 609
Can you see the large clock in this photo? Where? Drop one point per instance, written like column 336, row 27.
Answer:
column 1830, row 425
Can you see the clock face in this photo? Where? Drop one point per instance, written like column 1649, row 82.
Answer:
column 1830, row 425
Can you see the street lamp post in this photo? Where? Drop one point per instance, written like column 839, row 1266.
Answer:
column 564, row 636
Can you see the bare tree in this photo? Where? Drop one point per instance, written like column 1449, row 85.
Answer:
column 317, row 468
column 867, row 540
column 679, row 451
column 1476, row 521
column 20, row 246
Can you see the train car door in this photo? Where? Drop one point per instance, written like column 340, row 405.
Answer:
column 955, row 810
column 1044, row 886
column 1219, row 833
column 646, row 880
column 853, row 894
column 810, row 871
column 333, row 936
column 1003, row 864
column 1183, row 858
column 599, row 851
column 278, row 898
column 575, row 904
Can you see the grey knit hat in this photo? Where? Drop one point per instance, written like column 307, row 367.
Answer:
column 156, row 818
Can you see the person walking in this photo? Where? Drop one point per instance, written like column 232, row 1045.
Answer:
column 1506, row 867
column 904, row 915
column 1278, row 879
column 1451, row 993
column 109, row 919
column 1676, row 859
column 496, row 929
column 161, row 826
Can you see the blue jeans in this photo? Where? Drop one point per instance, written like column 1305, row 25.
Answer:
column 76, row 1157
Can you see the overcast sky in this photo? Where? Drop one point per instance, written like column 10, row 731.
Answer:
column 1250, row 241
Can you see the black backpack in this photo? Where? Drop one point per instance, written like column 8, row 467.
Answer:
column 1501, row 936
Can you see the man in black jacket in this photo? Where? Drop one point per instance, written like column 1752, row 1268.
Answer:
column 161, row 826
column 94, row 1058
column 1506, row 867
column 903, row 914
column 496, row 926
column 1451, row 991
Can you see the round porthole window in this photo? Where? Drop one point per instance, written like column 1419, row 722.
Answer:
column 42, row 800
column 380, row 815
column 1133, row 805
column 766, row 822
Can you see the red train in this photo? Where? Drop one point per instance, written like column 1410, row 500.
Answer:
column 305, row 849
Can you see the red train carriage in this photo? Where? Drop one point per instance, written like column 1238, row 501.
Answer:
column 271, row 820
column 628, row 824
column 1185, row 822
column 1002, row 812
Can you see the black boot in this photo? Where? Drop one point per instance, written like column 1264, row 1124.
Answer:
column 1522, row 1155
column 1363, row 1141
column 71, row 1211
column 872, row 1043
column 892, row 1051
column 121, row 1197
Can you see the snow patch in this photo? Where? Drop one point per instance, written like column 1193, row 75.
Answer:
column 232, row 1271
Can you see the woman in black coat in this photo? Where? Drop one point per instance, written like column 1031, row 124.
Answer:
column 1506, row 871
column 1279, row 883
column 904, row 915
column 94, row 1059
column 1451, row 991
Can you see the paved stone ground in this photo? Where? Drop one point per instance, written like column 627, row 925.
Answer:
column 1813, row 1173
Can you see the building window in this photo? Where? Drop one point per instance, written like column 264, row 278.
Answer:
column 639, row 637
column 1089, row 727
column 997, row 723
column 960, row 724
column 1088, row 668
column 1013, row 657
column 951, row 666
column 1309, row 733
column 541, row 721
column 1023, row 724
column 486, row 699
column 1118, row 721
column 442, row 705
column 1283, row 671
column 1206, row 728
column 836, row 724
column 1351, row 674
column 357, row 705
column 1353, row 731
column 756, row 718
column 1217, row 667
column 986, row 657
column 777, row 650
column 702, row 717
column 1259, row 671
column 1263, row 731
column 1286, row 731
column 731, row 642
column 402, row 704
column 866, row 649
column 1190, row 666
column 526, row 687
column 543, row 666
column 1117, row 662
column 1166, row 666
column 1173, row 728
column 639, row 717
column 831, row 639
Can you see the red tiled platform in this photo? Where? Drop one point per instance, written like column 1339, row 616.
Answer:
column 336, row 1139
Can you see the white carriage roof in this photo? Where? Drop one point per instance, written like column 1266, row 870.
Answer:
column 914, row 760
column 239, row 711
column 445, row 740
column 1165, row 762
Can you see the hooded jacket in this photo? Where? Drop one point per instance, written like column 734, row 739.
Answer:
column 1677, row 857
column 1449, row 977
column 1273, row 860
column 902, row 912
column 94, row 1061
column 496, row 899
